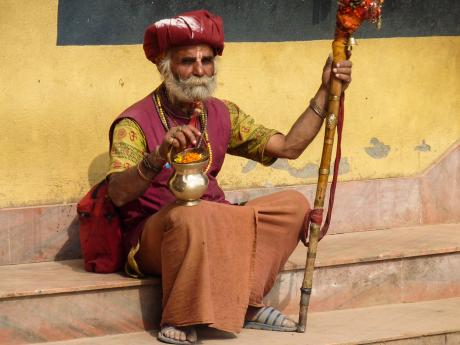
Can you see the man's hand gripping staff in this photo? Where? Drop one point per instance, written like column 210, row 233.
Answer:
column 350, row 15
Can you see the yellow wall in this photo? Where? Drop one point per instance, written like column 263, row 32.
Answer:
column 56, row 104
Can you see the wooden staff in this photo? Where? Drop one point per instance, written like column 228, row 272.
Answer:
column 350, row 15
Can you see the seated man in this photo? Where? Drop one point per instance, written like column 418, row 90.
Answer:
column 217, row 261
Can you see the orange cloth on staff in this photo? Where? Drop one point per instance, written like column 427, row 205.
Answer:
column 214, row 266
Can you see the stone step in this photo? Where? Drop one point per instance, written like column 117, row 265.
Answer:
column 353, row 270
column 421, row 323
column 59, row 300
column 375, row 267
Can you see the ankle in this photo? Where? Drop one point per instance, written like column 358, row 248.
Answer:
column 251, row 313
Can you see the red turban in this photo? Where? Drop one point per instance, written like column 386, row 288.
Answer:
column 197, row 27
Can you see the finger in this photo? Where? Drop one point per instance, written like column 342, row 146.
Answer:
column 344, row 77
column 180, row 137
column 328, row 63
column 190, row 134
column 173, row 142
column 170, row 137
column 345, row 63
column 342, row 70
column 195, row 130
column 173, row 131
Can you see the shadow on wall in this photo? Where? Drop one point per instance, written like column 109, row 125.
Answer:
column 98, row 168
column 71, row 248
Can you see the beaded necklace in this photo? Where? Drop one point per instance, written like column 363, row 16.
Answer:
column 203, row 124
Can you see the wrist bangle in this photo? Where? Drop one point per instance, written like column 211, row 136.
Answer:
column 141, row 174
column 149, row 166
column 156, row 156
column 317, row 109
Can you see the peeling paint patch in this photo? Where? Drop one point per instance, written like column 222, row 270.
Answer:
column 307, row 171
column 378, row 150
column 423, row 147
column 344, row 166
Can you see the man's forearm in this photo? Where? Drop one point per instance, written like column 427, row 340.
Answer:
column 302, row 132
column 126, row 186
column 131, row 183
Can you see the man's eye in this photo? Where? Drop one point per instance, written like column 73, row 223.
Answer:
column 207, row 60
column 188, row 62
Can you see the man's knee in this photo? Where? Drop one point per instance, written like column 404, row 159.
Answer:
column 297, row 201
column 185, row 217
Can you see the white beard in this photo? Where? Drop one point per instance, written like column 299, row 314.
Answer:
column 191, row 89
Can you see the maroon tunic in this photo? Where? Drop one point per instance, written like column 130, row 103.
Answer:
column 144, row 112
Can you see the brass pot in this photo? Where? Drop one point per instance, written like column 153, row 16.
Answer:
column 189, row 180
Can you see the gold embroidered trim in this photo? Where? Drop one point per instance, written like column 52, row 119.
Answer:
column 131, row 266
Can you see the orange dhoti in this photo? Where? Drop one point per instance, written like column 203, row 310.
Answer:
column 216, row 259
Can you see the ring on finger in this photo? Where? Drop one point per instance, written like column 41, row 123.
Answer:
column 171, row 140
column 178, row 129
column 175, row 132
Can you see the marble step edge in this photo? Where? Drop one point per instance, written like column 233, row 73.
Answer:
column 34, row 279
column 61, row 277
column 380, row 245
column 149, row 338
column 392, row 324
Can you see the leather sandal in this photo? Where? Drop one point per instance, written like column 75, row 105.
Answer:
column 269, row 319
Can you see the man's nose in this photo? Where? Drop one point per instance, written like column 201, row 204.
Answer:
column 198, row 69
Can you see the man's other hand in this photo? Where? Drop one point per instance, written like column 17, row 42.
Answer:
column 342, row 71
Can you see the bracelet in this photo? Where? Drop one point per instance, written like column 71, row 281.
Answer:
column 317, row 109
column 149, row 166
column 141, row 174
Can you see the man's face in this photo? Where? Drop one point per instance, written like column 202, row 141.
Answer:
column 196, row 60
column 189, row 73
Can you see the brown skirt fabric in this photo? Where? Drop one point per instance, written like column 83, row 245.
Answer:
column 216, row 259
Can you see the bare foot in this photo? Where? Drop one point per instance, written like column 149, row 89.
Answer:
column 178, row 335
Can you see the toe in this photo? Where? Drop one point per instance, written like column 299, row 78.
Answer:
column 180, row 333
column 288, row 323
